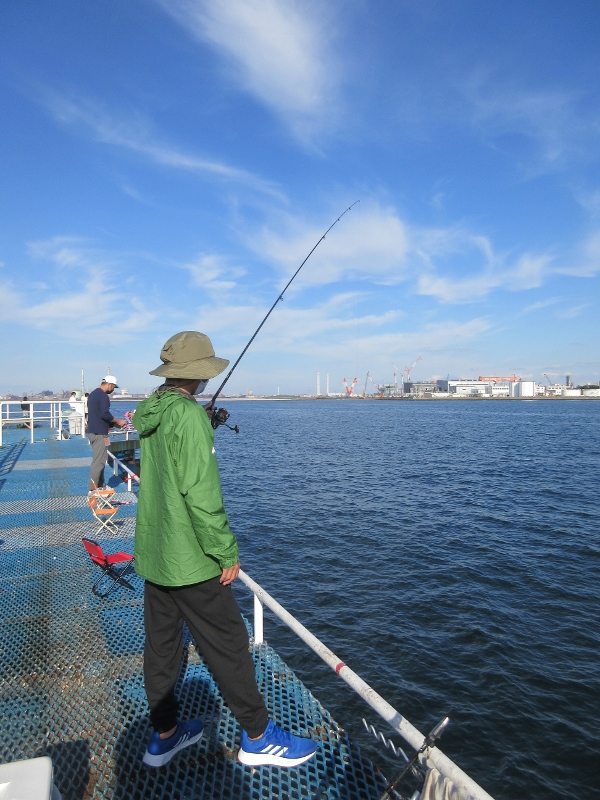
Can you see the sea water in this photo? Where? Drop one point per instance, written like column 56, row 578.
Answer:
column 448, row 552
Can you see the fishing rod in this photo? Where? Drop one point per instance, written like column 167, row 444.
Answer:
column 219, row 415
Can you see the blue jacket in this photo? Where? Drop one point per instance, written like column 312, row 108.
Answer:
column 99, row 416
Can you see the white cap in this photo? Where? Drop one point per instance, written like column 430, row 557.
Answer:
column 110, row 379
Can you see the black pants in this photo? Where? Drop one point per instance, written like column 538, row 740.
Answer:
column 213, row 617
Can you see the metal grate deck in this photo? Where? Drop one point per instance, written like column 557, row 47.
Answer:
column 71, row 683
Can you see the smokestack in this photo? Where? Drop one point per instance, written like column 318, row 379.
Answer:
column 318, row 383
column 568, row 380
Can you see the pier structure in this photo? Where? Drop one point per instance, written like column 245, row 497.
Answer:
column 71, row 682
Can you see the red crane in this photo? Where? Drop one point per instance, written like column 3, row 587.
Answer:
column 350, row 389
column 409, row 369
column 396, row 374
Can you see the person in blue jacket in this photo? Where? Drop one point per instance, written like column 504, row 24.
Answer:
column 99, row 421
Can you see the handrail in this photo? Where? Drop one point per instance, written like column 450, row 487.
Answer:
column 52, row 413
column 118, row 463
column 396, row 721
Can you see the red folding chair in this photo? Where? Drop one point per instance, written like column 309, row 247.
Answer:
column 107, row 564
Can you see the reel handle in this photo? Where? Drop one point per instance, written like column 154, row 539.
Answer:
column 219, row 417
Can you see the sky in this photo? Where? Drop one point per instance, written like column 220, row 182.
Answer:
column 168, row 164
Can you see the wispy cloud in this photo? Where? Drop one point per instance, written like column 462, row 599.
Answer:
column 213, row 273
column 329, row 330
column 277, row 50
column 557, row 123
column 80, row 307
column 373, row 243
column 135, row 133
column 585, row 262
column 573, row 311
column 370, row 241
column 550, row 301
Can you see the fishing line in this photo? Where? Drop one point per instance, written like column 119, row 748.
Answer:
column 220, row 415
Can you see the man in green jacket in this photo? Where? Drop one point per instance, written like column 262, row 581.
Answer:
column 188, row 556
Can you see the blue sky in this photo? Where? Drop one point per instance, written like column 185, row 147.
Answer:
column 167, row 164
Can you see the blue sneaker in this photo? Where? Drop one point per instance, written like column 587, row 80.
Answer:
column 276, row 748
column 161, row 751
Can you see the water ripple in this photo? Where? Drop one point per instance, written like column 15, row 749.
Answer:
column 448, row 552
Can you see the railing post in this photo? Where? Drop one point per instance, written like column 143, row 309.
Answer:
column 31, row 405
column 258, row 621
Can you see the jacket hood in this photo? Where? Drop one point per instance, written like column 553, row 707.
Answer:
column 149, row 413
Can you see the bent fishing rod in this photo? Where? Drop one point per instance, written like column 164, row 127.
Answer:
column 219, row 415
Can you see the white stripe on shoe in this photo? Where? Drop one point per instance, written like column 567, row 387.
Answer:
column 265, row 759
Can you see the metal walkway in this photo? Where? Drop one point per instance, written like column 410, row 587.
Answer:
column 71, row 683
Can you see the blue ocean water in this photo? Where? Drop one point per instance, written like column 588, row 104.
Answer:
column 449, row 553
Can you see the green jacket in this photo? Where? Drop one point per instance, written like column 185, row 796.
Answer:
column 182, row 533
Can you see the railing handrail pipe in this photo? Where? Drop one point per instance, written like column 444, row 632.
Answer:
column 131, row 476
column 397, row 722
column 53, row 413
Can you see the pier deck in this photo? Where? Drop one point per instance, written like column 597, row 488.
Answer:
column 71, row 683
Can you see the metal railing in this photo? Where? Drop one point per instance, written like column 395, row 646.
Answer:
column 118, row 464
column 43, row 413
column 387, row 712
column 394, row 718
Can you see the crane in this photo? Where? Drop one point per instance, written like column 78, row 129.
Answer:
column 380, row 392
column 350, row 389
column 548, row 379
column 398, row 372
column 409, row 369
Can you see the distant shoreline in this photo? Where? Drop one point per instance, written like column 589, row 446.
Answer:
column 410, row 398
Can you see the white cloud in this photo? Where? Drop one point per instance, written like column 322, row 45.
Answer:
column 550, row 301
column 135, row 134
column 586, row 260
column 89, row 302
column 573, row 311
column 278, row 51
column 554, row 121
column 212, row 273
column 372, row 243
column 369, row 241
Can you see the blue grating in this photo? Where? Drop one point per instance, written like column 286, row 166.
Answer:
column 71, row 683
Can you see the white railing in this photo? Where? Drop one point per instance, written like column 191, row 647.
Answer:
column 394, row 718
column 44, row 413
column 387, row 712
column 118, row 464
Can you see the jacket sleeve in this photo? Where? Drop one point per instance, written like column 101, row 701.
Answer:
column 200, row 484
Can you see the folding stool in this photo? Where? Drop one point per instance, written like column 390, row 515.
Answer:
column 101, row 508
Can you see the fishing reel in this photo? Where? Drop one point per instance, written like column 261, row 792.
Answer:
column 219, row 417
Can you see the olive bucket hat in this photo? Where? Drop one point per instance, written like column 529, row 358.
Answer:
column 189, row 354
